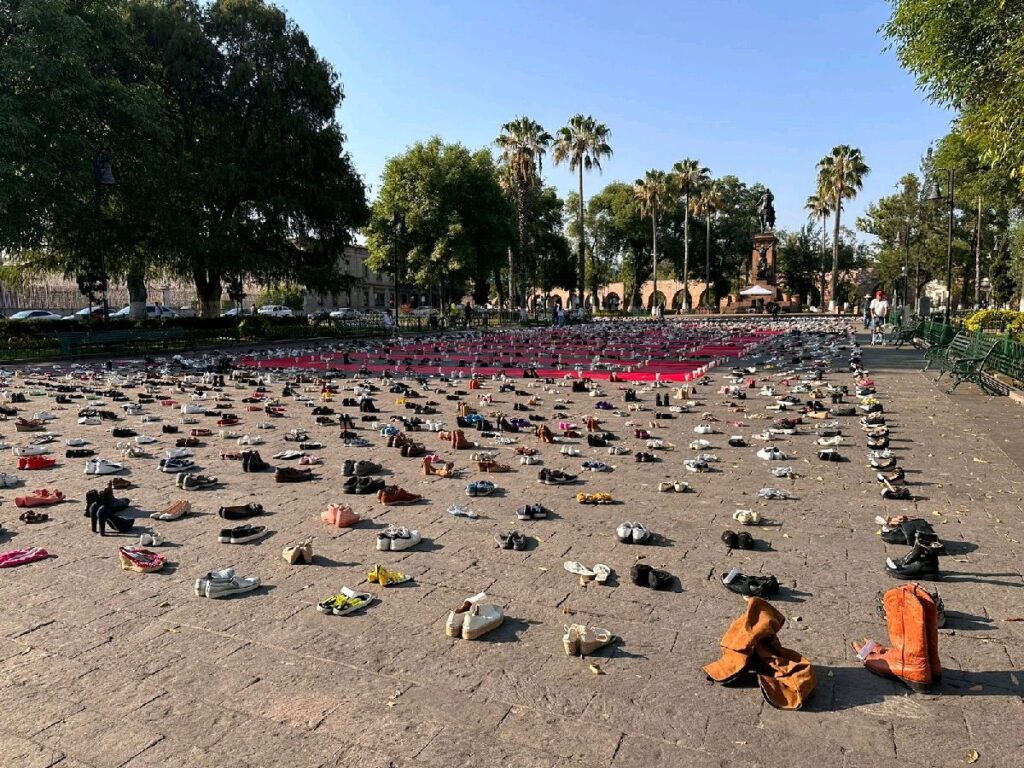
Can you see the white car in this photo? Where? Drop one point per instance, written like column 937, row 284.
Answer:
column 153, row 311
column 235, row 312
column 346, row 313
column 275, row 310
column 424, row 312
column 36, row 315
column 83, row 314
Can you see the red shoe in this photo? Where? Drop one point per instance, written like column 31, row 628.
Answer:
column 395, row 495
column 36, row 462
column 40, row 497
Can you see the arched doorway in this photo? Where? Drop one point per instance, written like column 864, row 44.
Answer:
column 612, row 302
column 655, row 299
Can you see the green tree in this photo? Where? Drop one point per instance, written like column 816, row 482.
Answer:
column 818, row 207
column 798, row 259
column 582, row 143
column 523, row 143
column 555, row 264
column 688, row 176
column 459, row 223
column 625, row 236
column 708, row 202
column 75, row 87
column 260, row 183
column 840, row 177
column 969, row 55
column 650, row 192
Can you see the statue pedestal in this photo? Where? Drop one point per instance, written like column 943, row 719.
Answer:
column 763, row 275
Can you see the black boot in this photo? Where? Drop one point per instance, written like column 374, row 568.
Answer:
column 921, row 563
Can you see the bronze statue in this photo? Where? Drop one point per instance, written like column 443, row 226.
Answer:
column 766, row 211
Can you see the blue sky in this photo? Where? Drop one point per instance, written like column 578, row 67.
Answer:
column 756, row 88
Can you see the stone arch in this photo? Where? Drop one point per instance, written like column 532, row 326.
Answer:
column 612, row 301
column 655, row 298
column 677, row 299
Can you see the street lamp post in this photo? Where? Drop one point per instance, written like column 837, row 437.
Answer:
column 398, row 223
column 906, row 266
column 937, row 196
column 103, row 180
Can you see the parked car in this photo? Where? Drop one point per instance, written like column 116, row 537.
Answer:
column 346, row 313
column 275, row 310
column 153, row 312
column 96, row 313
column 236, row 312
column 424, row 312
column 36, row 315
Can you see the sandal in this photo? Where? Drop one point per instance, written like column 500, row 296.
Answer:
column 750, row 586
column 31, row 516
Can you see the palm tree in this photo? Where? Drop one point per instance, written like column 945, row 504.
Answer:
column 523, row 143
column 817, row 206
column 688, row 176
column 840, row 176
column 708, row 202
column 649, row 192
column 582, row 143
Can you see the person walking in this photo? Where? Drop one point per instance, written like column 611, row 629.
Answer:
column 867, row 310
column 879, row 308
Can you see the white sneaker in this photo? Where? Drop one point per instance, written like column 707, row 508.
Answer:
column 102, row 467
column 235, row 586
column 771, row 453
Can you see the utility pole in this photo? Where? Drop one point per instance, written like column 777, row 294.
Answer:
column 977, row 260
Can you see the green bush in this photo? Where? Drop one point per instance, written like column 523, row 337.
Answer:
column 285, row 294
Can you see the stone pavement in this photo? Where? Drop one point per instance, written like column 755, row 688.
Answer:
column 100, row 667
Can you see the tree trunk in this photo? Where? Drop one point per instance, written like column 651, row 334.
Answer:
column 824, row 250
column 136, row 283
column 686, row 254
column 833, row 304
column 707, row 260
column 511, row 279
column 208, row 291
column 654, row 241
column 581, row 265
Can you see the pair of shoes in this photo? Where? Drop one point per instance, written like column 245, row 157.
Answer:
column 242, row 534
column 396, row 539
column 583, row 640
column 532, row 512
column 594, row 498
column 224, row 583
column 511, row 540
column 100, row 517
column 632, row 533
column 363, row 485
column 174, row 511
column 911, row 616
column 392, row 495
column 747, row 516
column 599, row 573
column 741, row 540
column 384, row 577
column 339, row 515
column 595, row 466
column 644, row 575
column 555, row 477
column 191, row 481
column 153, row 539
column 772, row 453
column 474, row 618
column 140, row 560
column 240, row 512
column 299, row 553
column 675, row 487
column 292, row 475
column 346, row 602
column 922, row 562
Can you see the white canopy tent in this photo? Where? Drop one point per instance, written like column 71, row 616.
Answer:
column 756, row 290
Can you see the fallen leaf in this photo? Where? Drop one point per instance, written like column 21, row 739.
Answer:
column 596, row 669
column 972, row 756
column 1014, row 618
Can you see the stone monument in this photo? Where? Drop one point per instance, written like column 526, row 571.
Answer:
column 763, row 289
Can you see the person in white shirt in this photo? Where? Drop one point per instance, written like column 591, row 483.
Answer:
column 879, row 311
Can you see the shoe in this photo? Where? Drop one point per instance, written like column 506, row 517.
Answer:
column 457, row 616
column 339, row 515
column 241, row 512
column 299, row 553
column 555, row 477
column 747, row 516
column 750, row 586
column 771, row 453
column 242, row 534
column 394, row 495
column 911, row 619
column 175, row 511
column 592, row 639
column 384, row 577
column 922, row 562
column 480, row 619
column 234, row 586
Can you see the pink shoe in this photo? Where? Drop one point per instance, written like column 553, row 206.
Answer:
column 339, row 515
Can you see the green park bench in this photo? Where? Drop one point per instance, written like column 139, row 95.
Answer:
column 904, row 334
column 1007, row 359
column 964, row 358
column 85, row 343
column 933, row 337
